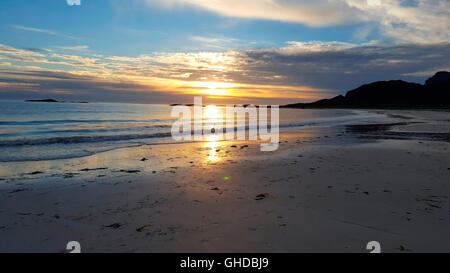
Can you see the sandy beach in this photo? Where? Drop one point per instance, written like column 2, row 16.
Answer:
column 324, row 190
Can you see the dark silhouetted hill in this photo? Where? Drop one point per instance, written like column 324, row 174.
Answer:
column 44, row 100
column 391, row 94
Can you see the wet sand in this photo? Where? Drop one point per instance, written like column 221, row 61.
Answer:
column 322, row 191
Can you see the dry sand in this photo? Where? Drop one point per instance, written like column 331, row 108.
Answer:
column 322, row 191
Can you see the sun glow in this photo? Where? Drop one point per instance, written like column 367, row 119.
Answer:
column 215, row 88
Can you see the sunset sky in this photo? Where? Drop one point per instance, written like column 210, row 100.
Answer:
column 229, row 51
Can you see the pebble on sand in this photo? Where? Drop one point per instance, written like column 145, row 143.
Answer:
column 115, row 225
column 261, row 196
column 34, row 173
column 143, row 228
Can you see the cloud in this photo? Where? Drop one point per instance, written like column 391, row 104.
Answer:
column 75, row 48
column 76, row 60
column 41, row 30
column 299, row 71
column 423, row 21
column 214, row 42
column 314, row 13
column 8, row 50
column 342, row 66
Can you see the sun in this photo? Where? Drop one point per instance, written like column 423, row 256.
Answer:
column 212, row 112
column 215, row 88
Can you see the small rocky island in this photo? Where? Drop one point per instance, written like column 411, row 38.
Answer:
column 52, row 100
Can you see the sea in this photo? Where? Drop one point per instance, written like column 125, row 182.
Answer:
column 34, row 131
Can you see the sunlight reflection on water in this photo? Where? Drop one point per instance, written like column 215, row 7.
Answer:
column 212, row 144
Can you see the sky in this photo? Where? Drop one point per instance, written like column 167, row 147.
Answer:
column 228, row 51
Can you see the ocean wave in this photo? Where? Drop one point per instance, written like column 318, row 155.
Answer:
column 71, row 121
column 79, row 139
column 86, row 131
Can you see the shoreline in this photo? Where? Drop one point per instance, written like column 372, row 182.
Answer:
column 324, row 190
